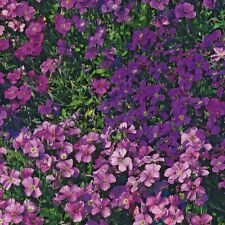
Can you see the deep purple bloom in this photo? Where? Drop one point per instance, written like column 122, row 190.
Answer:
column 184, row 10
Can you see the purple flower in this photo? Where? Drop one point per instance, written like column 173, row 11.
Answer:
column 142, row 219
column 218, row 164
column 75, row 211
column 158, row 4
column 193, row 189
column 31, row 186
column 68, row 4
column 69, row 193
column 4, row 220
column 209, row 4
column 118, row 159
column 180, row 171
column 100, row 86
column 11, row 93
column 7, row 180
column 33, row 148
column 62, row 25
column 150, row 175
column 100, row 206
column 4, row 44
column 84, row 153
column 13, row 212
column 174, row 216
column 184, row 10
column 204, row 219
column 66, row 168
column 103, row 180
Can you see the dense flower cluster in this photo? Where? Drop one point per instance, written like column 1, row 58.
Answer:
column 160, row 98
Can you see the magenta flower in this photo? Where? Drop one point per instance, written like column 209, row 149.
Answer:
column 193, row 189
column 4, row 220
column 11, row 93
column 118, row 159
column 184, row 10
column 84, row 153
column 42, row 84
column 33, row 148
column 174, row 216
column 13, row 212
column 66, row 168
column 75, row 211
column 204, row 219
column 31, row 186
column 69, row 193
column 103, row 180
column 2, row 28
column 24, row 93
column 62, row 25
column 4, row 44
column 158, row 4
column 209, row 4
column 48, row 65
column 68, row 4
column 150, row 175
column 218, row 164
column 100, row 206
column 100, row 86
column 179, row 172
column 142, row 219
column 7, row 180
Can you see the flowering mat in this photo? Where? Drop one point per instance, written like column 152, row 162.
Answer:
column 112, row 112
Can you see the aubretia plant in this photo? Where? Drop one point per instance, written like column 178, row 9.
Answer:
column 112, row 112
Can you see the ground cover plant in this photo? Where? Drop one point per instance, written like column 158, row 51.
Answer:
column 112, row 112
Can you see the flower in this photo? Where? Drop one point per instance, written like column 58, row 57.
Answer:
column 7, row 180
column 118, row 159
column 84, row 153
column 184, row 10
column 193, row 189
column 220, row 54
column 13, row 212
column 180, row 171
column 75, row 211
column 150, row 175
column 100, row 86
column 218, row 164
column 104, row 180
column 4, row 44
column 204, row 219
column 31, row 186
column 209, row 4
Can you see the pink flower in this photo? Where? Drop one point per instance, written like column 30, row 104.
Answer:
column 31, row 186
column 118, row 159
column 84, row 153
column 104, row 180
column 33, row 148
column 220, row 54
column 48, row 65
column 66, row 168
column 7, row 180
column 13, row 212
column 69, row 193
column 193, row 189
column 174, row 216
column 2, row 28
column 150, row 175
column 179, row 172
column 204, row 219
column 75, row 211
